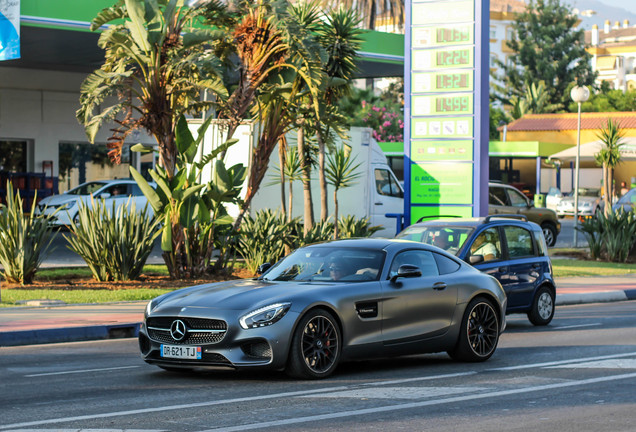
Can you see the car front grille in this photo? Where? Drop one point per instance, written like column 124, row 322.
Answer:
column 199, row 330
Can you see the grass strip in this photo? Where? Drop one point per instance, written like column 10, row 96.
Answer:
column 11, row 297
column 572, row 267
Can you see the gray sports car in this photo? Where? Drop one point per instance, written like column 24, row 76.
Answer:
column 327, row 303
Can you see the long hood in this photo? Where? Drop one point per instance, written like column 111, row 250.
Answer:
column 233, row 295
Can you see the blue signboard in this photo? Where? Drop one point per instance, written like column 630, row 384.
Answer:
column 9, row 29
column 446, row 108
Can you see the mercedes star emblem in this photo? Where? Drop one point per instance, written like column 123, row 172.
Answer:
column 178, row 330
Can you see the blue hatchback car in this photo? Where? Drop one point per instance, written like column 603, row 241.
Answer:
column 509, row 248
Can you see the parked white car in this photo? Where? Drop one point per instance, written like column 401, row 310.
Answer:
column 119, row 192
column 589, row 203
column 553, row 198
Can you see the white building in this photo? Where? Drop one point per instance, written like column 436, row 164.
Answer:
column 614, row 54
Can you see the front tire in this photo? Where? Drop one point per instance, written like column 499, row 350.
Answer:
column 542, row 307
column 315, row 347
column 550, row 234
column 479, row 334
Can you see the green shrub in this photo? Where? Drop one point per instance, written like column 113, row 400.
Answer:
column 592, row 229
column 262, row 238
column 24, row 239
column 610, row 236
column 115, row 242
column 350, row 227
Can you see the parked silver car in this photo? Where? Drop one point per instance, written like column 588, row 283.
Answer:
column 327, row 303
column 589, row 203
column 117, row 192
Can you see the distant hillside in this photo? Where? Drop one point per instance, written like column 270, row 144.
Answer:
column 605, row 12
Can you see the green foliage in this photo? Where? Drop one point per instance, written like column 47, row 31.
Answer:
column 609, row 157
column 114, row 242
column 547, row 46
column 191, row 212
column 611, row 236
column 496, row 116
column 535, row 100
column 341, row 173
column 383, row 113
column 24, row 239
column 350, row 227
column 607, row 100
column 262, row 238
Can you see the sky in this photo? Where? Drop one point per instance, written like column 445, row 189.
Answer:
column 613, row 10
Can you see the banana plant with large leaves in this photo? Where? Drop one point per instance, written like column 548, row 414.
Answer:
column 192, row 212
column 155, row 68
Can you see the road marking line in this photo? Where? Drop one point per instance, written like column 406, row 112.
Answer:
column 220, row 402
column 576, row 326
column 80, row 371
column 396, row 393
column 603, row 364
column 412, row 405
column 561, row 362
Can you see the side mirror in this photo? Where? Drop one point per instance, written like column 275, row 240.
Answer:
column 475, row 259
column 407, row 271
column 263, row 268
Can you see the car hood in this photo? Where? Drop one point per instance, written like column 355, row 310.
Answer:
column 234, row 295
column 56, row 200
column 582, row 199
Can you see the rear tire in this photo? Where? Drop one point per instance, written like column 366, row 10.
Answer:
column 479, row 333
column 543, row 307
column 315, row 347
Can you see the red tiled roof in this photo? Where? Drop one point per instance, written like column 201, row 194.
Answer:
column 547, row 122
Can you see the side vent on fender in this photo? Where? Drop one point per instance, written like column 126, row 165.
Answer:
column 367, row 309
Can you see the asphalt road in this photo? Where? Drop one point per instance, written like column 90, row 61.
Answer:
column 578, row 374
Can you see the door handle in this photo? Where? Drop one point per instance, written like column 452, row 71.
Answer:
column 439, row 286
column 379, row 203
column 503, row 269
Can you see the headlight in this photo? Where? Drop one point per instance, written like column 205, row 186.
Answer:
column 586, row 204
column 149, row 307
column 264, row 316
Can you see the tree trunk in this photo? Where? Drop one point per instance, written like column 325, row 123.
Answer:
column 335, row 214
column 606, row 192
column 281, row 162
column 306, row 178
column 290, row 215
column 324, row 210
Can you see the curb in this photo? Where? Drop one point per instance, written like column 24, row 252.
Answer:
column 595, row 297
column 69, row 334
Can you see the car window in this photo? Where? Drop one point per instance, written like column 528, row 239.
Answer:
column 445, row 265
column 86, row 188
column 422, row 259
column 517, row 199
column 117, row 190
column 386, row 184
column 519, row 242
column 136, row 191
column 449, row 238
column 497, row 196
column 487, row 244
column 541, row 244
column 628, row 198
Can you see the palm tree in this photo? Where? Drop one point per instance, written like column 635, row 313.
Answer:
column 340, row 37
column 290, row 172
column 393, row 10
column 609, row 157
column 340, row 174
column 155, row 68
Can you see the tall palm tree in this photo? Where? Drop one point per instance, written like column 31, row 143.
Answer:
column 609, row 157
column 370, row 10
column 155, row 68
column 340, row 37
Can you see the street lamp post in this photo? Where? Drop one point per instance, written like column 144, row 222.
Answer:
column 579, row 95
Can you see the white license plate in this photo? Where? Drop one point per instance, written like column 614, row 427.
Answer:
column 181, row 352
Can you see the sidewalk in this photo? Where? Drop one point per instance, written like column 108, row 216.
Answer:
column 69, row 323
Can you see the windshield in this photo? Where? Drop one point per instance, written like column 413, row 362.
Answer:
column 629, row 197
column 328, row 264
column 451, row 239
column 86, row 188
column 588, row 192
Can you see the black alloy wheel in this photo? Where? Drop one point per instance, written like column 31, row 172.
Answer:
column 479, row 334
column 316, row 346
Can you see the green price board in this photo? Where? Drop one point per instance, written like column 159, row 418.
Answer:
column 445, row 104
column 447, row 58
column 437, row 82
column 452, row 127
column 443, row 12
column 450, row 150
column 441, row 183
column 428, row 37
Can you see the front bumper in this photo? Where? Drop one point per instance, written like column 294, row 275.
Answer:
column 263, row 347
